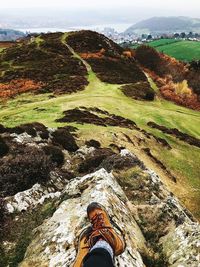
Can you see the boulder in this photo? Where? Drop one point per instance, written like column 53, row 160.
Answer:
column 55, row 241
column 181, row 245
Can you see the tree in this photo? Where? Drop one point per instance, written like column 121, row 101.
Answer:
column 176, row 35
column 190, row 35
column 183, row 35
column 149, row 37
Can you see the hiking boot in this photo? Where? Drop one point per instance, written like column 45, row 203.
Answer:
column 83, row 247
column 102, row 229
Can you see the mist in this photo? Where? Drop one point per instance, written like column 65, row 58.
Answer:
column 60, row 13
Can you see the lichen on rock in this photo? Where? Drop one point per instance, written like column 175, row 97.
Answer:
column 55, row 239
column 181, row 246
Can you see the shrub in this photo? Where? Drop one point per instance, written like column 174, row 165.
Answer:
column 93, row 143
column 93, row 161
column 55, row 153
column 22, row 171
column 117, row 162
column 149, row 58
column 65, row 139
column 117, row 70
column 2, row 129
column 141, row 91
column 3, row 148
column 31, row 129
column 3, row 213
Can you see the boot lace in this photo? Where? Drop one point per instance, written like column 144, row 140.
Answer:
column 98, row 221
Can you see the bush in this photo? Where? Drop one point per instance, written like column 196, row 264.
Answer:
column 3, row 148
column 93, row 161
column 141, row 91
column 149, row 58
column 23, row 170
column 2, row 129
column 117, row 70
column 55, row 153
column 93, row 143
column 2, row 212
column 65, row 139
column 31, row 129
column 117, row 162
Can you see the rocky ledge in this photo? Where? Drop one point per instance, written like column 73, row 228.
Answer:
column 55, row 240
column 41, row 224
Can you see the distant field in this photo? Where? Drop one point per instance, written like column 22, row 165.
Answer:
column 181, row 50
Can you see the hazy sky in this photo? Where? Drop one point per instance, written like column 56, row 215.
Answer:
column 182, row 5
column 60, row 13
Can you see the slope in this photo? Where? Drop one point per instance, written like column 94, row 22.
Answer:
column 97, row 144
column 179, row 49
column 47, row 109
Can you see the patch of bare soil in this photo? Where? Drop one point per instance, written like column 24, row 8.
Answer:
column 178, row 134
column 92, row 116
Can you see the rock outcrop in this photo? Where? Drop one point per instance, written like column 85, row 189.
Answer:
column 182, row 245
column 45, row 220
column 54, row 243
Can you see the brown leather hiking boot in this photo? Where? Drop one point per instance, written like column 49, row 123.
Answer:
column 103, row 229
column 83, row 247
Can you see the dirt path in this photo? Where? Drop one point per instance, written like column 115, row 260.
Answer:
column 88, row 67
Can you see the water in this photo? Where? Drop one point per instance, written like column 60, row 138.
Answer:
column 117, row 27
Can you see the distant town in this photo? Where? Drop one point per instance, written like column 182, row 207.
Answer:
column 135, row 39
column 122, row 38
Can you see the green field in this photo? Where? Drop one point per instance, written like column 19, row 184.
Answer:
column 179, row 49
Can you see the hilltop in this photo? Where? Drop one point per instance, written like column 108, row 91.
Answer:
column 161, row 25
column 82, row 118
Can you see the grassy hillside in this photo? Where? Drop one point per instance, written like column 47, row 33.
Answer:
column 179, row 49
column 182, row 160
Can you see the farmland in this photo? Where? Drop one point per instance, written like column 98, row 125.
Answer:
column 183, row 50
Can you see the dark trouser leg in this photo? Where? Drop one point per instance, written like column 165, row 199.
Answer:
column 98, row 257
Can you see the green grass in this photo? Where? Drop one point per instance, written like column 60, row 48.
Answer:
column 105, row 96
column 38, row 40
column 162, row 42
column 183, row 160
column 180, row 49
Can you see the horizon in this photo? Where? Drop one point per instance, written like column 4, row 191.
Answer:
column 61, row 14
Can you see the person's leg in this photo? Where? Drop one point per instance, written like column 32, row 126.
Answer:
column 100, row 243
column 98, row 257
